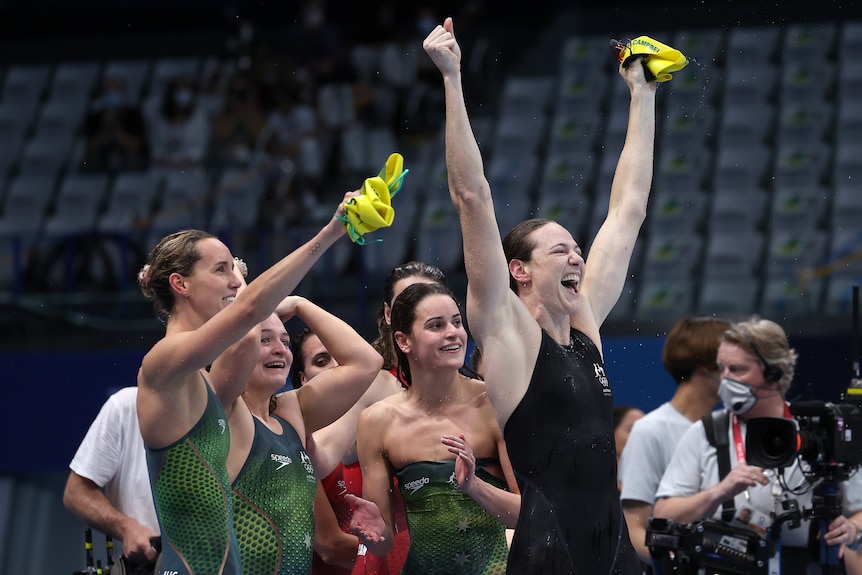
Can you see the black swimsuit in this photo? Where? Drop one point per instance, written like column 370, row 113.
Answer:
column 561, row 444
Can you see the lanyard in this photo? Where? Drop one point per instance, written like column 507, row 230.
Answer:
column 738, row 443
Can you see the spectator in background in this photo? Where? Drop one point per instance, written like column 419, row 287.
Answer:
column 625, row 417
column 109, row 487
column 114, row 131
column 316, row 45
column 180, row 132
column 689, row 357
column 290, row 140
column 236, row 128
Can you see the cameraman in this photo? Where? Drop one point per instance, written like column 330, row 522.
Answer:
column 756, row 365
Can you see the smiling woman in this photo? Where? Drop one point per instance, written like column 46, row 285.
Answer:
column 441, row 440
column 190, row 380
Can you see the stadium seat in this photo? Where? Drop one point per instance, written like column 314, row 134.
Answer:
column 133, row 73
column 724, row 295
column 847, row 207
column 738, row 255
column 74, row 81
column 790, row 296
column 438, row 239
column 736, row 209
column 672, row 256
column 131, row 199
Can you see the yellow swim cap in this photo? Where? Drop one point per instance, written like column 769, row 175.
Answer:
column 659, row 59
column 373, row 209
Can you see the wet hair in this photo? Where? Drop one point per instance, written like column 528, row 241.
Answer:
column 384, row 344
column 404, row 314
column 692, row 344
column 175, row 253
column 519, row 243
column 296, row 346
column 767, row 341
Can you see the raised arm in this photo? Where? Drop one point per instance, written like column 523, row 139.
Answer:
column 487, row 271
column 498, row 321
column 611, row 250
column 177, row 355
column 332, row 393
column 334, row 442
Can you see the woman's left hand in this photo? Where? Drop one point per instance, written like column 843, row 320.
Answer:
column 465, row 461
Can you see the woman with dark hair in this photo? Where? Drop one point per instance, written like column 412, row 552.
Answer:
column 275, row 483
column 541, row 340
column 194, row 373
column 441, row 440
column 343, row 476
column 395, row 282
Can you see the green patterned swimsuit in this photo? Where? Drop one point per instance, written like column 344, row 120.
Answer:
column 450, row 534
column 273, row 509
column 193, row 499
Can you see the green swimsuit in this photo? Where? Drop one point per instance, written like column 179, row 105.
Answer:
column 193, row 499
column 450, row 534
column 274, row 504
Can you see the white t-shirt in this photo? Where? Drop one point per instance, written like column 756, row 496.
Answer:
column 648, row 451
column 852, row 494
column 112, row 456
column 694, row 467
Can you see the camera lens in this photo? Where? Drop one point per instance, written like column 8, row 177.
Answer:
column 774, row 444
column 770, row 442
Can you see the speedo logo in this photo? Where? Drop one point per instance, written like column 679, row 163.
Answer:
column 282, row 459
column 417, row 484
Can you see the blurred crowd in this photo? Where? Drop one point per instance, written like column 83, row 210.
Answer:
column 270, row 115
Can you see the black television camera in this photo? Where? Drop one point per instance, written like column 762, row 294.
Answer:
column 828, row 439
column 708, row 545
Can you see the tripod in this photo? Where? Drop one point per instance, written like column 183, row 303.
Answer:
column 826, row 506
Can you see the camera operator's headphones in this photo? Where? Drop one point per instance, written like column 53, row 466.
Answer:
column 771, row 372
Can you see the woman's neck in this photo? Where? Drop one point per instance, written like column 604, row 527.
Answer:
column 434, row 388
column 556, row 326
column 257, row 401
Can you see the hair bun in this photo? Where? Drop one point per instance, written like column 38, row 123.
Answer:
column 144, row 276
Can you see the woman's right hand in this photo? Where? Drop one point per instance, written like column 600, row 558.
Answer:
column 367, row 522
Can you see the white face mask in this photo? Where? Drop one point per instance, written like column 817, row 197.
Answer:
column 736, row 396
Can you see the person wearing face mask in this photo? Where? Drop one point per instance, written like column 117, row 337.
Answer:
column 115, row 133
column 756, row 365
column 689, row 358
column 180, row 131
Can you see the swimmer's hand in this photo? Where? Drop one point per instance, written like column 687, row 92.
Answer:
column 367, row 523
